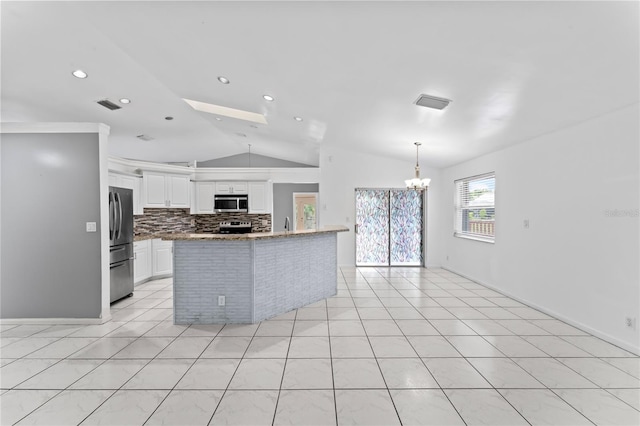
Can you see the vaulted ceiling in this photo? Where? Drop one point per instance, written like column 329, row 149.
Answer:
column 351, row 70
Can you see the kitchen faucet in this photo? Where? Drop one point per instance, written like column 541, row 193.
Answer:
column 287, row 224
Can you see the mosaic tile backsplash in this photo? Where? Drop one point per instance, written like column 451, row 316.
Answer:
column 211, row 222
column 162, row 221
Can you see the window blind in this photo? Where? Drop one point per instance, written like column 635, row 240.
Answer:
column 475, row 211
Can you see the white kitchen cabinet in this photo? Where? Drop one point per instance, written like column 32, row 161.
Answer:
column 178, row 190
column 131, row 182
column 259, row 197
column 231, row 188
column 162, row 252
column 165, row 190
column 204, row 192
column 142, row 262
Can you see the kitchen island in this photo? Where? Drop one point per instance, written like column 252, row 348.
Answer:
column 247, row 278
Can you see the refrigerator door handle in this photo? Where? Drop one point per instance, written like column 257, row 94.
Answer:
column 118, row 264
column 112, row 219
column 120, row 215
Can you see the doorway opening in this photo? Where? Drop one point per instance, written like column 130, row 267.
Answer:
column 389, row 227
column 305, row 210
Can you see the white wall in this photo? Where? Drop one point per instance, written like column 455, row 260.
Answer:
column 341, row 171
column 574, row 261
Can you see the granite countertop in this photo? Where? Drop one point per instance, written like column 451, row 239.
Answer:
column 252, row 236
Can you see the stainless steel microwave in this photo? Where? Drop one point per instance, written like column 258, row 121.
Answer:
column 230, row 203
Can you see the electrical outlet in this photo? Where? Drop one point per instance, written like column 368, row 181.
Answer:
column 221, row 300
column 630, row 322
column 91, row 227
column 193, row 222
column 526, row 223
column 265, row 222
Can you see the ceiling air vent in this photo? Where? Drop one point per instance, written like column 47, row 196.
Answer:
column 108, row 104
column 144, row 137
column 432, row 102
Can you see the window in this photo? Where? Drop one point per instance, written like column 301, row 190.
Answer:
column 475, row 207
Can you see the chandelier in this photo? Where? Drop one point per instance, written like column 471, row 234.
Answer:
column 416, row 182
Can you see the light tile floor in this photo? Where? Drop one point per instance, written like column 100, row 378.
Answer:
column 406, row 346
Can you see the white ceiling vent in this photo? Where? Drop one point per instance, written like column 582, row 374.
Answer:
column 432, row 102
column 145, row 137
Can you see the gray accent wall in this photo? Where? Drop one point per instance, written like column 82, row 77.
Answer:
column 51, row 267
column 283, row 201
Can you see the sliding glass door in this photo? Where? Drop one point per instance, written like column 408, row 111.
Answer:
column 389, row 227
column 372, row 227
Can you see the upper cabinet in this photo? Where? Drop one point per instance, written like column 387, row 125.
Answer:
column 259, row 197
column 231, row 188
column 131, row 182
column 203, row 202
column 163, row 190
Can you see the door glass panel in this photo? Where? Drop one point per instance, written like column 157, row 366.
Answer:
column 305, row 212
column 406, row 227
column 372, row 220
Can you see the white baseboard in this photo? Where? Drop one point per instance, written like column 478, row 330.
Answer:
column 54, row 321
column 604, row 336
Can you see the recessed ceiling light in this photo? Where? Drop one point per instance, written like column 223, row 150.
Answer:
column 125, row 101
column 80, row 74
column 268, row 98
column 169, row 118
column 297, row 118
column 226, row 111
column 223, row 80
column 218, row 118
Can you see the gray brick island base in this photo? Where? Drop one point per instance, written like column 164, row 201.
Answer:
column 260, row 275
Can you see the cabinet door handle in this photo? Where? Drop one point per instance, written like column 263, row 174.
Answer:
column 135, row 256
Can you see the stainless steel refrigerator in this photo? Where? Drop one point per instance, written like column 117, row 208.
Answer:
column 121, row 242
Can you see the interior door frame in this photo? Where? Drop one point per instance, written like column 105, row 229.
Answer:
column 424, row 229
column 295, row 217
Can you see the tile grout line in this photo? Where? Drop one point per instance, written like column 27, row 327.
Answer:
column 224, row 393
column 284, row 368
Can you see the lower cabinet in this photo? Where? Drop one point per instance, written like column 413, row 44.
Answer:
column 141, row 260
column 162, row 257
column 152, row 258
